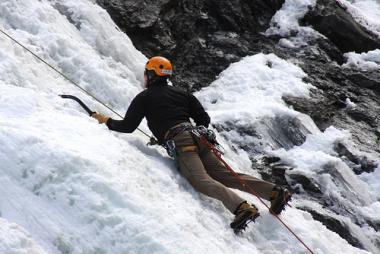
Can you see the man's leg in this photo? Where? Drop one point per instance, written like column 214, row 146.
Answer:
column 191, row 167
column 219, row 172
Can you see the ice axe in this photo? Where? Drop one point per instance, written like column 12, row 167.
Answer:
column 152, row 140
column 84, row 106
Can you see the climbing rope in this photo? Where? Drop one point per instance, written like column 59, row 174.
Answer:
column 68, row 79
column 215, row 151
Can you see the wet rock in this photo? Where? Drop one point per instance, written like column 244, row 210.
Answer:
column 272, row 169
column 279, row 132
column 366, row 165
column 375, row 224
column 337, row 226
column 333, row 21
column 370, row 80
column 343, row 151
column 327, row 105
column 270, row 159
column 307, row 184
column 360, row 114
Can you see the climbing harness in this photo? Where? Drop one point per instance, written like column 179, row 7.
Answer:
column 169, row 145
column 209, row 135
column 198, row 131
column 177, row 129
column 152, row 139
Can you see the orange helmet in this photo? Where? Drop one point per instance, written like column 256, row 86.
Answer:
column 160, row 65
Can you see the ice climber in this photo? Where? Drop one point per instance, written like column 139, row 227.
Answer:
column 168, row 111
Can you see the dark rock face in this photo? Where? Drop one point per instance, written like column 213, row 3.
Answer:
column 202, row 37
column 360, row 163
column 307, row 184
column 280, row 132
column 336, row 226
column 331, row 19
column 328, row 107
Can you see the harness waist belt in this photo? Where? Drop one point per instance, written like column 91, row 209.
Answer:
column 177, row 129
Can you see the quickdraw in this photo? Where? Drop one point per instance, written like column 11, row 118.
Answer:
column 209, row 135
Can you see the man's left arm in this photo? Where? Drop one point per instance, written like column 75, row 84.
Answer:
column 132, row 119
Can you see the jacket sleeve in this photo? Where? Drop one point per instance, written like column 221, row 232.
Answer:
column 132, row 119
column 197, row 112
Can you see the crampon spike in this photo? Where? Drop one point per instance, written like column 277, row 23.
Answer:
column 240, row 227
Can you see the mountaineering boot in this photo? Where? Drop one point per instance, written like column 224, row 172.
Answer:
column 279, row 199
column 245, row 213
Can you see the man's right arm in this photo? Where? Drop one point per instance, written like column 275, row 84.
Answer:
column 197, row 112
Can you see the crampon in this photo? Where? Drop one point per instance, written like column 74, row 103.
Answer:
column 280, row 200
column 240, row 224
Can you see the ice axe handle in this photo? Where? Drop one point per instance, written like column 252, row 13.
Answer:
column 84, row 106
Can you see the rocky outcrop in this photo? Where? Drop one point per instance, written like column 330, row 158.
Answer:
column 332, row 20
column 201, row 37
column 336, row 226
column 328, row 104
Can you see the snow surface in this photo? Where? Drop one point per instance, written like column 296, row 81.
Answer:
column 258, row 82
column 285, row 24
column 364, row 61
column 285, row 21
column 252, row 90
column 15, row 238
column 365, row 12
column 349, row 103
column 69, row 185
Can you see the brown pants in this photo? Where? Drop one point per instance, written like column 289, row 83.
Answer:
column 209, row 176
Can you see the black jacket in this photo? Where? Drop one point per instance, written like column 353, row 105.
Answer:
column 163, row 106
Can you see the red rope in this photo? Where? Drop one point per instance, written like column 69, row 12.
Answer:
column 252, row 191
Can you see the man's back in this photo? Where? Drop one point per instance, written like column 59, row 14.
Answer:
column 164, row 106
column 167, row 106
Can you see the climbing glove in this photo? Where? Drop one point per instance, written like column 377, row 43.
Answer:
column 101, row 118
